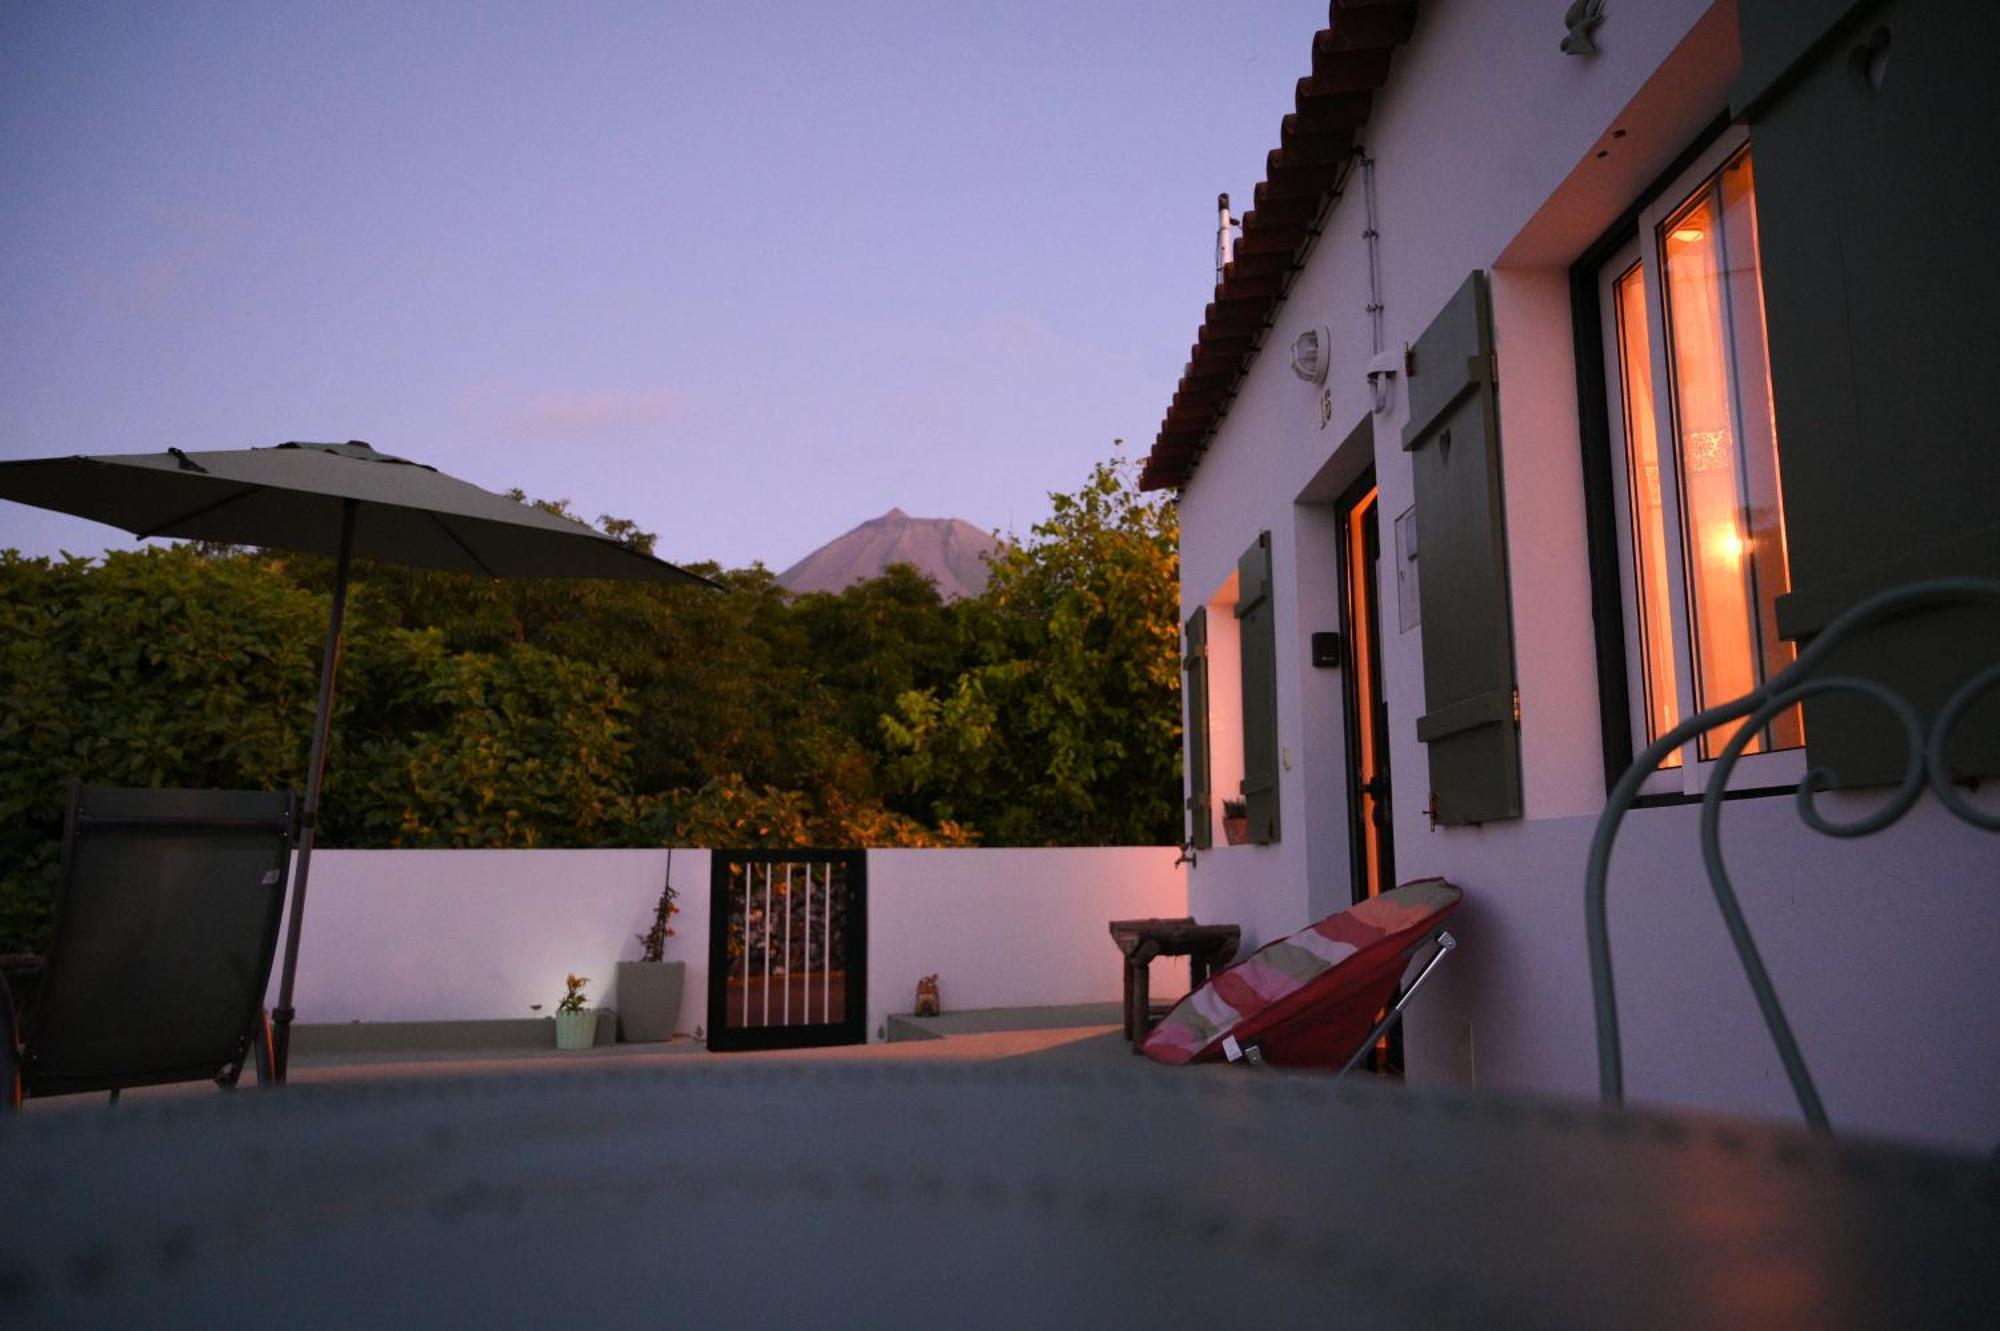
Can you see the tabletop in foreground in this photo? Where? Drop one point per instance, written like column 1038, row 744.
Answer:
column 989, row 1195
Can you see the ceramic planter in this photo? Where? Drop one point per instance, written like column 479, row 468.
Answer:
column 576, row 1030
column 649, row 999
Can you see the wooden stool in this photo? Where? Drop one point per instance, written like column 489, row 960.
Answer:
column 1208, row 947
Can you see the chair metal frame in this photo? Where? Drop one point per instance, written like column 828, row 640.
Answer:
column 1924, row 766
column 1439, row 940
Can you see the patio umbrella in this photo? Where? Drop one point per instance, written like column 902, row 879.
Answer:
column 343, row 500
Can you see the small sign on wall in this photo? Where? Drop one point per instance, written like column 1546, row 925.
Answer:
column 1406, row 569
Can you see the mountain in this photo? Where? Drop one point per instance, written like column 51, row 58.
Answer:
column 950, row 551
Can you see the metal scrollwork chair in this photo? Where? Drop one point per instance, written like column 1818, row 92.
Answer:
column 1924, row 766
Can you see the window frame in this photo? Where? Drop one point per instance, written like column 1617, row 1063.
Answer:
column 1610, row 275
column 1633, row 239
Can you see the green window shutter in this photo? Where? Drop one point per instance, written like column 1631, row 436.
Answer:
column 1876, row 230
column 1776, row 39
column 1469, row 724
column 1258, row 636
column 1201, row 823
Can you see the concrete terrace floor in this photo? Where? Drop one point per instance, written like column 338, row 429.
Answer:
column 1102, row 1046
column 1069, row 1037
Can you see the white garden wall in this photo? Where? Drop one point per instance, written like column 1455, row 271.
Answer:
column 446, row 935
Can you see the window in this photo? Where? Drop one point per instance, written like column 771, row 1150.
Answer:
column 1694, row 463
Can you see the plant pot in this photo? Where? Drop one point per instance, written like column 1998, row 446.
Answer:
column 576, row 1030
column 649, row 999
column 1236, row 831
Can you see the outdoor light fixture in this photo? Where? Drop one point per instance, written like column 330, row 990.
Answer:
column 1309, row 355
column 1382, row 372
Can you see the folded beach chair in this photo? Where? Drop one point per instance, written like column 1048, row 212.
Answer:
column 1315, row 998
column 167, row 917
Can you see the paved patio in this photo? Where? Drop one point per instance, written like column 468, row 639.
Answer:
column 1031, row 1037
column 1092, row 1046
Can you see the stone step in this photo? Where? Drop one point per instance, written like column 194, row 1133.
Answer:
column 988, row 1021
column 338, row 1039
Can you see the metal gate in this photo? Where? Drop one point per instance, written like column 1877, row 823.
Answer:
column 787, row 948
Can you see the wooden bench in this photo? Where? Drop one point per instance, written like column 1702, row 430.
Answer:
column 1208, row 948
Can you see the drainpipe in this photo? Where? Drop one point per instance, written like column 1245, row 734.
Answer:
column 1373, row 236
column 1382, row 369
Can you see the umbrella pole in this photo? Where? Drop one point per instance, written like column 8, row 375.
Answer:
column 281, row 1016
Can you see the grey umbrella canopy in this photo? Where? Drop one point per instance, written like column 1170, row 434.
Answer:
column 294, row 496
column 341, row 500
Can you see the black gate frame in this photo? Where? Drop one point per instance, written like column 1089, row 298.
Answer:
column 853, row 1027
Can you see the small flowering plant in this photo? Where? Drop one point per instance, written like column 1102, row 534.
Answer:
column 653, row 943
column 573, row 1000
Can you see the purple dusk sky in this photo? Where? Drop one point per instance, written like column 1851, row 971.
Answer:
column 747, row 273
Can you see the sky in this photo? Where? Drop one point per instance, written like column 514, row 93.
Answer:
column 745, row 273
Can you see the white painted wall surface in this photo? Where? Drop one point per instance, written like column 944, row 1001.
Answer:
column 1013, row 928
column 1881, row 950
column 461, row 935
column 448, row 935
column 1486, row 143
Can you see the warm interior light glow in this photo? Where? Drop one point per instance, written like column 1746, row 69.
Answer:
column 1649, row 537
column 1362, row 656
column 1722, row 544
column 1731, row 503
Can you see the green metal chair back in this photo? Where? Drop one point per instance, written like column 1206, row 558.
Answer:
column 1925, row 767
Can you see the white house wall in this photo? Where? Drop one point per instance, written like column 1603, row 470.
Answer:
column 1486, row 144
column 1881, row 950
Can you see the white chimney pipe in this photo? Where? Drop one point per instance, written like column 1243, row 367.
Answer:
column 1225, row 236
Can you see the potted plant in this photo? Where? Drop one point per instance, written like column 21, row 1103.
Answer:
column 1235, row 822
column 649, row 989
column 576, row 1025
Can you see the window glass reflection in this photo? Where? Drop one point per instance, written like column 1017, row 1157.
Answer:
column 1733, row 531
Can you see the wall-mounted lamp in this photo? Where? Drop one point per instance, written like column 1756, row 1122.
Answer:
column 1310, row 353
column 1382, row 372
column 1582, row 21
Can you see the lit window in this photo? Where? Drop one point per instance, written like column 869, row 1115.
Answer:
column 1702, row 535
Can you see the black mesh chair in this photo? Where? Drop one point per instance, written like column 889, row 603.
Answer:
column 167, row 919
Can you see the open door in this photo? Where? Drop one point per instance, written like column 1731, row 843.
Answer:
column 1368, row 787
column 1370, row 833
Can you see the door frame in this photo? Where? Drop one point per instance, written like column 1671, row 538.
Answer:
column 1352, row 704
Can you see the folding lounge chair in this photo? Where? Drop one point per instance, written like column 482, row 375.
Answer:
column 1312, row 999
column 167, row 919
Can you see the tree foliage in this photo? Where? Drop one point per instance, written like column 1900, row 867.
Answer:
column 529, row 712
column 1065, row 730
